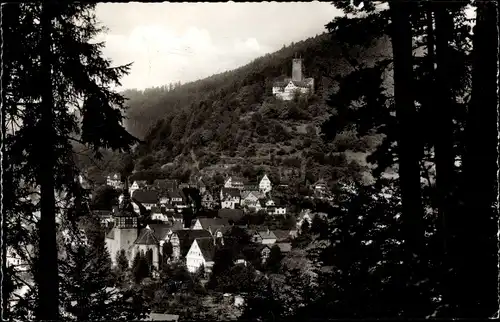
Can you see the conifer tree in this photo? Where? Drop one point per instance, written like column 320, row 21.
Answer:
column 61, row 68
column 140, row 267
column 122, row 261
column 274, row 260
column 168, row 250
column 87, row 286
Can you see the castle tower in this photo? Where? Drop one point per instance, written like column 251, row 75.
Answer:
column 297, row 69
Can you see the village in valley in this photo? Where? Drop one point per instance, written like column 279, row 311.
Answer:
column 167, row 212
column 311, row 161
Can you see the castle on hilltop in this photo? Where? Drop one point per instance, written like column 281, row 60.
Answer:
column 287, row 89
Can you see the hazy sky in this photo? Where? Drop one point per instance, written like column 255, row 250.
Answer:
column 169, row 42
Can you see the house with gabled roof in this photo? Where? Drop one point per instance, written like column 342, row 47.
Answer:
column 210, row 224
column 159, row 213
column 297, row 84
column 182, row 239
column 265, row 184
column 138, row 184
column 230, row 197
column 207, row 200
column 235, row 182
column 250, row 197
column 284, row 235
column 114, row 181
column 275, row 206
column 176, row 197
column 260, row 236
column 264, row 251
column 148, row 198
column 201, row 253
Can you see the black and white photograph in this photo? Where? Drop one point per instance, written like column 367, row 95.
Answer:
column 249, row 161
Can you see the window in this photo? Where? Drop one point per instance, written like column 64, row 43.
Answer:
column 129, row 222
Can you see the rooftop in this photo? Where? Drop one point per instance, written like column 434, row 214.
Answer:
column 207, row 248
column 145, row 196
column 146, row 237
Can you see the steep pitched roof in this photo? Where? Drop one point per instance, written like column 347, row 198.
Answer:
column 110, row 234
column 141, row 183
column 125, row 209
column 145, row 196
column 207, row 248
column 213, row 222
column 281, row 83
column 186, row 238
column 160, row 230
column 257, row 194
column 245, row 194
column 177, row 225
column 146, row 237
column 284, row 247
column 267, row 234
column 281, row 234
column 232, row 192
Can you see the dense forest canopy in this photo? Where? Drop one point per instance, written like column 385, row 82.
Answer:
column 233, row 118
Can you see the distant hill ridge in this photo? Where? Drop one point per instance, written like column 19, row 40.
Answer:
column 234, row 115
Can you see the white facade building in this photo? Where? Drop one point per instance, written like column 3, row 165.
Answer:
column 114, row 181
column 287, row 89
column 200, row 254
column 265, row 184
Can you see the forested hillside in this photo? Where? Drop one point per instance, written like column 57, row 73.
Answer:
column 233, row 119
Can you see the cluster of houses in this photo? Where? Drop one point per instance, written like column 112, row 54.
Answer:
column 164, row 198
column 194, row 242
column 251, row 196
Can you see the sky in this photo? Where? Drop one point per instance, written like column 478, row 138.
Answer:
column 171, row 42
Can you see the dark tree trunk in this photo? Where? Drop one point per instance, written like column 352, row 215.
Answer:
column 408, row 143
column 475, row 227
column 47, row 274
column 443, row 147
